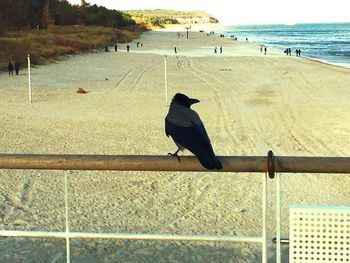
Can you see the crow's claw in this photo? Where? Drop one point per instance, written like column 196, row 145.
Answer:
column 175, row 155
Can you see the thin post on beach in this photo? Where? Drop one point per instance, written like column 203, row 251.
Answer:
column 165, row 81
column 29, row 82
column 187, row 28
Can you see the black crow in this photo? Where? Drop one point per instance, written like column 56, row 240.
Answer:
column 187, row 130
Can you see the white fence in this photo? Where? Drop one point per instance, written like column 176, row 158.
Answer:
column 268, row 165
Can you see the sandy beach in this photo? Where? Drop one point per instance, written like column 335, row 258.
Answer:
column 250, row 103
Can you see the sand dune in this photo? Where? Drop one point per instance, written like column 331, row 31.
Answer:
column 250, row 103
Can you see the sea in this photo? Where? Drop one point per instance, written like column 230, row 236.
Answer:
column 326, row 42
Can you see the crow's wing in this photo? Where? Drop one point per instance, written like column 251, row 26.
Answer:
column 167, row 128
column 203, row 149
column 196, row 140
column 187, row 136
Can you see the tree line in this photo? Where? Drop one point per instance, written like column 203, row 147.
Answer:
column 19, row 14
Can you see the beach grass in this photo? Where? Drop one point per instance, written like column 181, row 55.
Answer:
column 46, row 46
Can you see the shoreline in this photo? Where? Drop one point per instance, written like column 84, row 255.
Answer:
column 214, row 27
column 345, row 64
column 342, row 65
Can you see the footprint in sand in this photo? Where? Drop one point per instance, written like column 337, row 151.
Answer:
column 15, row 209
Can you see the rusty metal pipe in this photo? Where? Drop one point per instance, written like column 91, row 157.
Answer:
column 126, row 163
column 167, row 163
column 289, row 164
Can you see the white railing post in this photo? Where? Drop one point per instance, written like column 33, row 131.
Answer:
column 66, row 186
column 264, row 219
column 278, row 218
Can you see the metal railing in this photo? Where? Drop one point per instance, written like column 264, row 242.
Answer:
column 268, row 165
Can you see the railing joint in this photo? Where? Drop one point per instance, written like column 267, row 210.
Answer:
column 271, row 164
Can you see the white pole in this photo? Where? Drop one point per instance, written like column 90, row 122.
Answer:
column 264, row 219
column 129, row 236
column 67, row 217
column 29, row 83
column 278, row 218
column 165, row 82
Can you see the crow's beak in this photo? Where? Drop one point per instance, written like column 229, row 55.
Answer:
column 193, row 101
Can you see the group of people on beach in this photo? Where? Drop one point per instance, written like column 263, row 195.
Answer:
column 138, row 44
column 216, row 50
column 12, row 67
column 263, row 48
column 288, row 51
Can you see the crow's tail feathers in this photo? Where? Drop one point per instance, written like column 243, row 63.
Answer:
column 210, row 162
column 218, row 164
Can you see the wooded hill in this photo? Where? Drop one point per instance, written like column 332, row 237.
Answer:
column 159, row 17
column 19, row 14
column 49, row 29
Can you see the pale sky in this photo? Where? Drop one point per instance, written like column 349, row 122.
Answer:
column 247, row 11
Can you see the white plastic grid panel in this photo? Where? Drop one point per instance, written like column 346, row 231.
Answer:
column 319, row 234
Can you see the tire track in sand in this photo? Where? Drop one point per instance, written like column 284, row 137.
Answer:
column 123, row 79
column 183, row 63
column 229, row 123
column 130, row 81
column 301, row 135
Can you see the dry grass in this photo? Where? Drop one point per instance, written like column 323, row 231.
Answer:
column 49, row 45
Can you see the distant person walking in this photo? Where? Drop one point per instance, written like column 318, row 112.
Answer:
column 215, row 50
column 116, row 47
column 17, row 67
column 175, row 50
column 220, row 49
column 265, row 50
column 10, row 68
column 127, row 48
